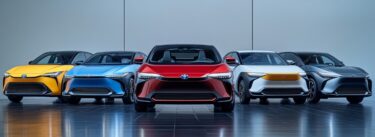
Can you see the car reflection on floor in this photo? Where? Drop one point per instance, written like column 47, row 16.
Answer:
column 327, row 119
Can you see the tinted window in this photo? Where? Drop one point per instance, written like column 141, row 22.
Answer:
column 291, row 56
column 111, row 58
column 319, row 59
column 261, row 59
column 184, row 56
column 79, row 58
column 54, row 58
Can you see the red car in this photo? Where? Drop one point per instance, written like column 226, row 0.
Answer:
column 184, row 74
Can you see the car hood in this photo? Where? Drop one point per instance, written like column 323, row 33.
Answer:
column 100, row 70
column 37, row 70
column 175, row 71
column 273, row 69
column 345, row 71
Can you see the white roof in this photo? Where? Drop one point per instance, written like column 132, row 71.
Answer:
column 255, row 51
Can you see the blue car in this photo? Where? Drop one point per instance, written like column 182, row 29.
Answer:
column 104, row 75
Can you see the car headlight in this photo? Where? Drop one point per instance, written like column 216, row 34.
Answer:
column 227, row 75
column 52, row 74
column 256, row 74
column 329, row 74
column 6, row 75
column 117, row 75
column 148, row 75
column 68, row 76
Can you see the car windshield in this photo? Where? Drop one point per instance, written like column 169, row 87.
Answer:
column 60, row 58
column 319, row 59
column 110, row 59
column 262, row 59
column 184, row 56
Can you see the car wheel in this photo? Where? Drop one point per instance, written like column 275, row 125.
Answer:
column 224, row 107
column 354, row 100
column 74, row 100
column 63, row 99
column 243, row 93
column 15, row 99
column 314, row 94
column 141, row 107
column 129, row 98
column 299, row 100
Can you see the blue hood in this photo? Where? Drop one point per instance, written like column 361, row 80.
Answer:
column 102, row 70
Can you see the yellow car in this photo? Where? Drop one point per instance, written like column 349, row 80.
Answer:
column 43, row 76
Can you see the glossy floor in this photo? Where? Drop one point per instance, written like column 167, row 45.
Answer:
column 39, row 117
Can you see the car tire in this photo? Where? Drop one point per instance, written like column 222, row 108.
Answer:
column 15, row 99
column 74, row 100
column 299, row 100
column 354, row 100
column 140, row 107
column 129, row 97
column 224, row 107
column 314, row 93
column 243, row 94
column 63, row 99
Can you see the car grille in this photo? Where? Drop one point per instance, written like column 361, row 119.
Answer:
column 184, row 96
column 351, row 90
column 353, row 80
column 176, row 89
column 90, row 91
column 26, row 88
column 278, row 91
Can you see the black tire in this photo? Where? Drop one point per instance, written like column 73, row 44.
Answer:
column 74, row 100
column 129, row 97
column 225, row 107
column 109, row 101
column 15, row 99
column 243, row 93
column 314, row 93
column 354, row 100
column 140, row 107
column 299, row 100
column 63, row 99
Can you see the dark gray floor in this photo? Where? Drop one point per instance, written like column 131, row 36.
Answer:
column 38, row 117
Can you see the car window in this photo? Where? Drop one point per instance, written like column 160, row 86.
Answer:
column 54, row 58
column 184, row 56
column 319, row 59
column 80, row 57
column 44, row 60
column 291, row 56
column 262, row 59
column 110, row 58
column 327, row 61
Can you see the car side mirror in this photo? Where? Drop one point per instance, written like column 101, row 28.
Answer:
column 230, row 60
column 78, row 63
column 138, row 60
column 30, row 62
column 291, row 62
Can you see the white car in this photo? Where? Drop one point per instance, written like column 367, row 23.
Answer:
column 264, row 74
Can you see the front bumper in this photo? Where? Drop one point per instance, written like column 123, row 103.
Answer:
column 95, row 87
column 38, row 86
column 346, row 86
column 177, row 91
column 260, row 87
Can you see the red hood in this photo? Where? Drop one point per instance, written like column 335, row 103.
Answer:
column 175, row 71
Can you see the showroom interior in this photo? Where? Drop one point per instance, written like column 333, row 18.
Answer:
column 343, row 28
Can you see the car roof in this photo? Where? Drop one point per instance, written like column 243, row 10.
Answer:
column 306, row 52
column 109, row 52
column 184, row 46
column 65, row 51
column 255, row 51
